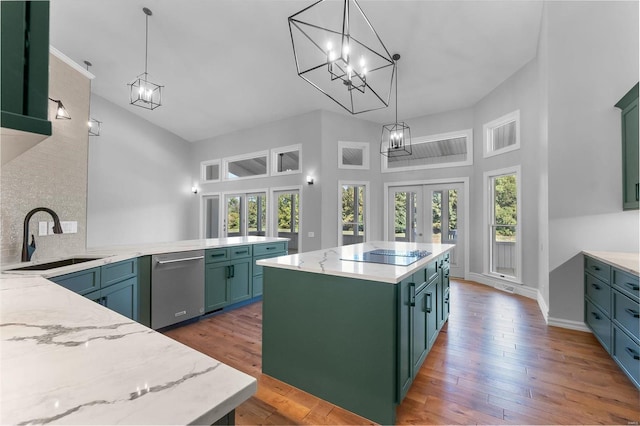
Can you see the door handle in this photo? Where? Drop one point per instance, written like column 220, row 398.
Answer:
column 184, row 259
column 428, row 303
column 633, row 313
column 637, row 191
column 412, row 297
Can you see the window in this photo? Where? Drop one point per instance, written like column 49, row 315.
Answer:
column 257, row 214
column 246, row 166
column 504, row 245
column 353, row 206
column 435, row 151
column 245, row 214
column 288, row 216
column 210, row 171
column 502, row 135
column 285, row 160
column 353, row 155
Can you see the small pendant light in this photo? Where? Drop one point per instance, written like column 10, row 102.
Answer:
column 396, row 137
column 144, row 93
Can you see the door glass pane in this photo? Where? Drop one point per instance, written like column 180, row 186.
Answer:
column 405, row 216
column 211, row 216
column 234, row 215
column 353, row 226
column 453, row 216
column 436, row 217
column 288, row 220
column 503, row 228
column 257, row 214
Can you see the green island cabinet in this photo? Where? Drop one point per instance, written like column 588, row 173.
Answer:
column 612, row 311
column 630, row 173
column 24, row 66
column 114, row 285
column 354, row 342
column 231, row 275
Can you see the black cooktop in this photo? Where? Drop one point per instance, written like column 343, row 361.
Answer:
column 389, row 257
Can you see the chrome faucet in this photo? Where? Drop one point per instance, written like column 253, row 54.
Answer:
column 57, row 229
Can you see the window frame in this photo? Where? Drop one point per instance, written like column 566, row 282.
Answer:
column 467, row 133
column 487, row 132
column 488, row 221
column 366, row 154
column 365, row 215
column 203, row 170
column 281, row 150
column 249, row 156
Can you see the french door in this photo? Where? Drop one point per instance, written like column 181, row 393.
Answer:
column 429, row 214
column 245, row 214
column 286, row 217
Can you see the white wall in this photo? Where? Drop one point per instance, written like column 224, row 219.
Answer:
column 139, row 181
column 592, row 54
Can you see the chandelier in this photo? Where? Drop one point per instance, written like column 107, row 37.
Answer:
column 144, row 93
column 337, row 50
column 396, row 137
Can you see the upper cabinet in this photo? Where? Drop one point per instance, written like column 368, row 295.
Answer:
column 24, row 68
column 630, row 175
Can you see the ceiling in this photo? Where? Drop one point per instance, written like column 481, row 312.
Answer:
column 228, row 64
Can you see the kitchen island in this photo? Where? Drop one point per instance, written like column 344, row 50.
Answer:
column 67, row 360
column 352, row 332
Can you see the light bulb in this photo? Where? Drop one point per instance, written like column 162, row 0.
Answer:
column 364, row 71
column 329, row 46
column 345, row 50
column 362, row 62
column 89, row 124
column 61, row 112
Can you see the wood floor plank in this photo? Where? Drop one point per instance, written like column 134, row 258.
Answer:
column 495, row 362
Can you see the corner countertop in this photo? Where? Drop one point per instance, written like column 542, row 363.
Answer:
column 628, row 262
column 111, row 254
column 330, row 261
column 65, row 359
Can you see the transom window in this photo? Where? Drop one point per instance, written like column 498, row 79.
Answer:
column 435, row 151
column 210, row 171
column 502, row 135
column 353, row 155
column 246, row 166
column 285, row 160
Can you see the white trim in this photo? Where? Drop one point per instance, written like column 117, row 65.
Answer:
column 509, row 287
column 203, row 173
column 467, row 133
column 487, row 134
column 274, row 225
column 366, row 154
column 542, row 304
column 282, row 150
column 201, row 214
column 67, row 60
column 571, row 325
column 249, row 156
column 245, row 211
column 486, row 222
column 366, row 185
column 465, row 182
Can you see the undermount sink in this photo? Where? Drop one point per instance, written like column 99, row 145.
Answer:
column 54, row 265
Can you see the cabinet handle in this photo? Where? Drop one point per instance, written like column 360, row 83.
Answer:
column 596, row 286
column 104, row 301
column 428, row 307
column 217, row 254
column 412, row 297
column 596, row 316
column 595, row 268
column 228, row 268
column 632, row 286
column 637, row 191
column 184, row 259
column 632, row 353
column 242, row 252
column 269, row 248
column 633, row 313
column 233, row 271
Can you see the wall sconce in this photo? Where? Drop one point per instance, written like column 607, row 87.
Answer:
column 94, row 127
column 61, row 111
column 195, row 189
column 309, row 180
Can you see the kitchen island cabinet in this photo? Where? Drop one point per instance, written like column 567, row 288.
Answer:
column 352, row 333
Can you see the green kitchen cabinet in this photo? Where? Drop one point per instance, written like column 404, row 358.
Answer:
column 406, row 290
column 228, row 278
column 264, row 251
column 24, row 66
column 114, row 285
column 630, row 173
column 216, row 291
column 443, row 293
column 239, row 279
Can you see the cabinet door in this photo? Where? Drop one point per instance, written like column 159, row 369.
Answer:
column 419, row 334
column 405, row 291
column 240, row 281
column 443, row 298
column 216, row 290
column 431, row 312
column 122, row 298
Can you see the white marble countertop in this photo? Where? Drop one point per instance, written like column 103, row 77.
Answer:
column 67, row 360
column 330, row 261
column 111, row 254
column 629, row 262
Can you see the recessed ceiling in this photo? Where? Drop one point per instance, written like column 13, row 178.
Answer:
column 228, row 64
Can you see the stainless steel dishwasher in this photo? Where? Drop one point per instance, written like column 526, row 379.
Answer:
column 177, row 287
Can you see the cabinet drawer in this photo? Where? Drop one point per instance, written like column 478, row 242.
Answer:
column 258, row 269
column 627, row 353
column 431, row 270
column 116, row 272
column 597, row 268
column 239, row 252
column 260, row 249
column 600, row 324
column 446, row 258
column 626, row 283
column 599, row 292
column 626, row 313
column 216, row 255
column 82, row 282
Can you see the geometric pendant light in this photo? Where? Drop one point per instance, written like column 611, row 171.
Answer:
column 396, row 137
column 144, row 93
column 94, row 125
column 337, row 50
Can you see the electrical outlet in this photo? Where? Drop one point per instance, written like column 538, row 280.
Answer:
column 68, row 227
column 42, row 228
column 311, row 234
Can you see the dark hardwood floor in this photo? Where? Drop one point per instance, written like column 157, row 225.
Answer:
column 495, row 362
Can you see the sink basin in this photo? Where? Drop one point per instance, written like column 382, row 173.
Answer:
column 55, row 264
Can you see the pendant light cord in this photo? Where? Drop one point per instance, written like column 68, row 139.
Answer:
column 396, row 62
column 146, row 45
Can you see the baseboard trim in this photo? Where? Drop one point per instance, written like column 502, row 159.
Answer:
column 542, row 304
column 522, row 290
column 571, row 325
